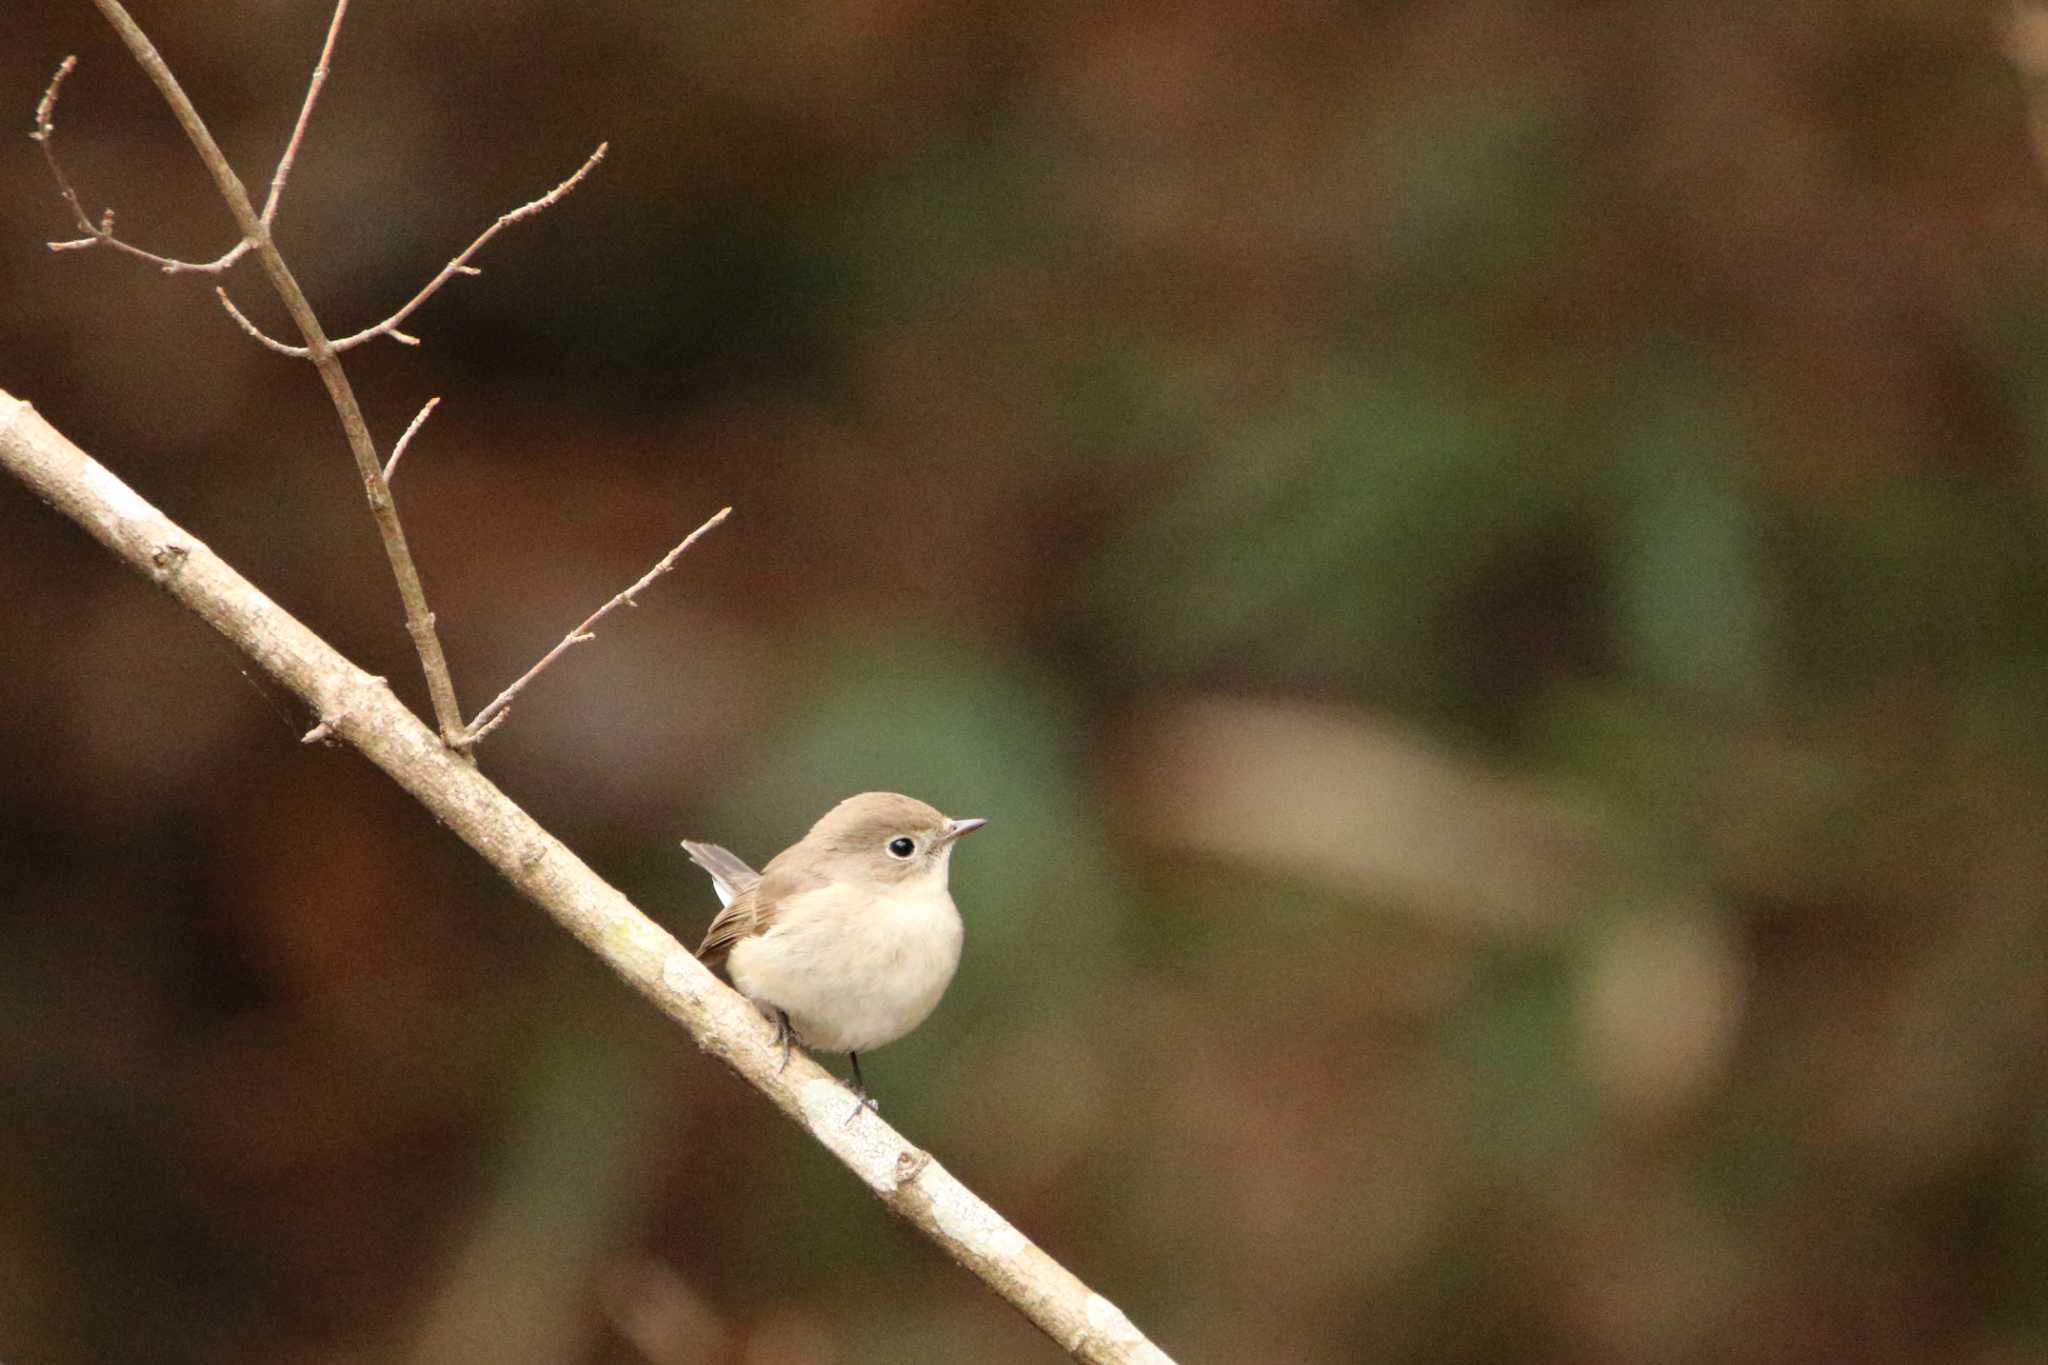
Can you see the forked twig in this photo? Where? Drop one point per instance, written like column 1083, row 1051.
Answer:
column 494, row 714
column 389, row 327
column 419, row 620
column 102, row 232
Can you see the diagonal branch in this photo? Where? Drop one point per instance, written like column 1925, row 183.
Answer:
column 360, row 710
column 488, row 719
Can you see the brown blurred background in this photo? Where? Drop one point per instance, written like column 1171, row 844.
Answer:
column 1485, row 561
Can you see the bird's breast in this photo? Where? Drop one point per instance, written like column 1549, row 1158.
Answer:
column 854, row 970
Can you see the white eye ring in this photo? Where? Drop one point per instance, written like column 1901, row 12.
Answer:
column 902, row 846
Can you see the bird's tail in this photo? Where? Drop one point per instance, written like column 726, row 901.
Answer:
column 732, row 877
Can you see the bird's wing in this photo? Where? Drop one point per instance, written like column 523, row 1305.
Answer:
column 732, row 877
column 732, row 924
column 757, row 898
column 733, row 880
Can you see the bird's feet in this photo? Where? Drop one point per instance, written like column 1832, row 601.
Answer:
column 785, row 1034
column 861, row 1098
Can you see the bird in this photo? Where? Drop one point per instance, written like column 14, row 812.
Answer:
column 848, row 937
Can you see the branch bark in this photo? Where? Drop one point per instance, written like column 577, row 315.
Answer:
column 361, row 710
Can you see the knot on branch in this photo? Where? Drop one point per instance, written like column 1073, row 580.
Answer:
column 168, row 559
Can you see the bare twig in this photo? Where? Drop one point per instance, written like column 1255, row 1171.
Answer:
column 46, row 107
column 102, row 232
column 318, row 348
column 404, row 440
column 476, row 735
column 488, row 718
column 291, row 148
column 461, row 266
column 389, row 327
column 419, row 621
column 256, row 334
column 361, row 711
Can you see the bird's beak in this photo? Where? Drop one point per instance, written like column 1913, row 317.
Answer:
column 956, row 828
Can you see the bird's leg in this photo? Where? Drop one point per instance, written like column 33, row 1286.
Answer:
column 785, row 1034
column 862, row 1099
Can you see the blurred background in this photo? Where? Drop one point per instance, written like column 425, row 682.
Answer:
column 1484, row 560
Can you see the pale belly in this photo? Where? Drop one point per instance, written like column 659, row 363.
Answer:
column 850, row 984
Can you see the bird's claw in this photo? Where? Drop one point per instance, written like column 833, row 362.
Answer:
column 785, row 1034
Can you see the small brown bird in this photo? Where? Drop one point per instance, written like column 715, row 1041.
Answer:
column 849, row 936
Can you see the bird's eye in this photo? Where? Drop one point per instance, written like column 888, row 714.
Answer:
column 901, row 847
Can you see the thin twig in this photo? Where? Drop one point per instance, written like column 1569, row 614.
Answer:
column 488, row 718
column 461, row 266
column 257, row 333
column 291, row 148
column 46, row 107
column 102, row 232
column 398, row 450
column 476, row 736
